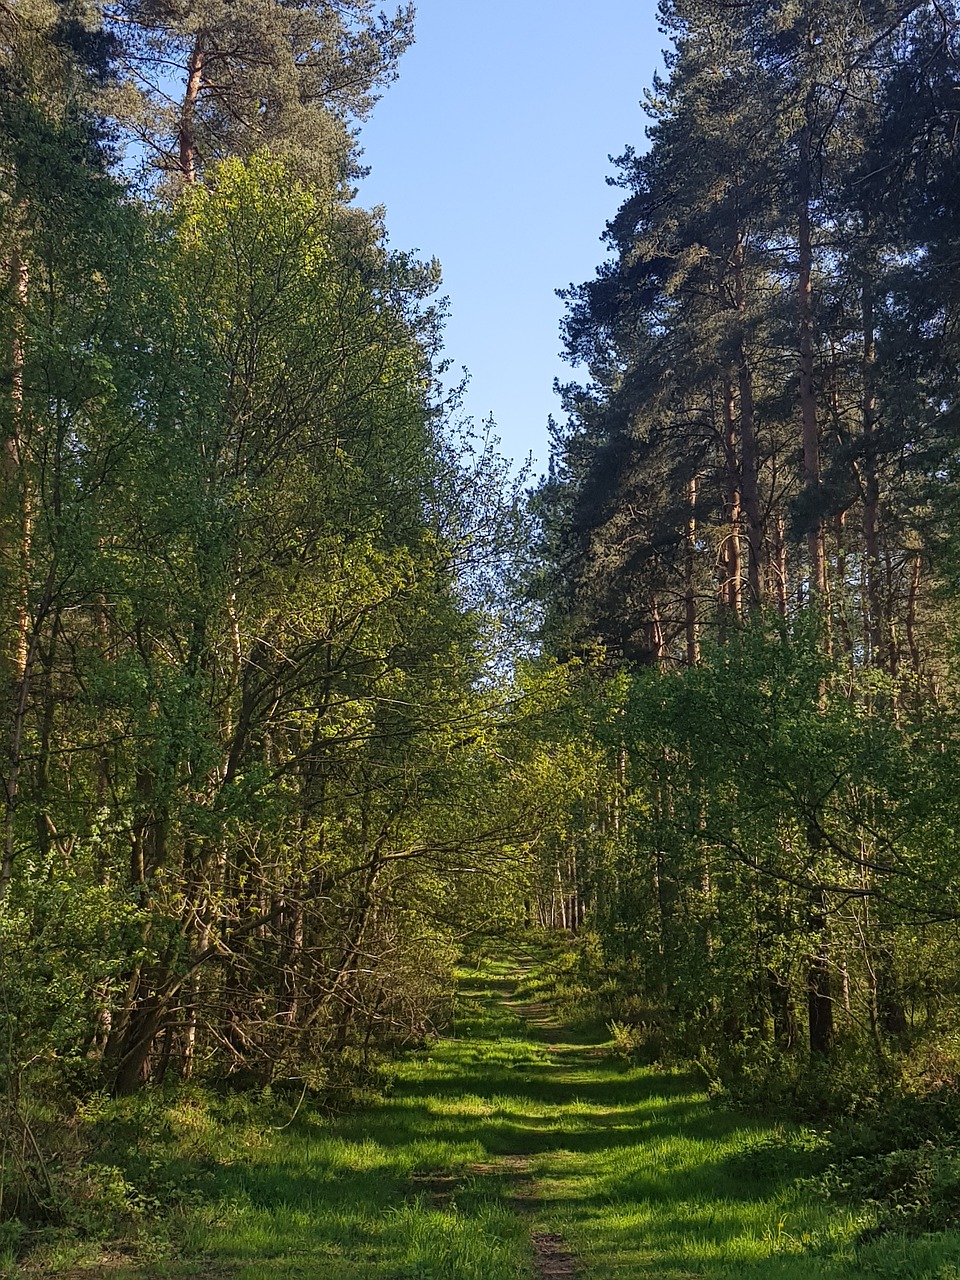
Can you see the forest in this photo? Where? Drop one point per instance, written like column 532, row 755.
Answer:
column 307, row 695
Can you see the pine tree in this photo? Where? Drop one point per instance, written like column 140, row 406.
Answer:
column 215, row 79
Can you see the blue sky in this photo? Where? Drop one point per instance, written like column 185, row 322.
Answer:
column 491, row 153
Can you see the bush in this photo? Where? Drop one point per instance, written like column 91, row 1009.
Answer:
column 902, row 1157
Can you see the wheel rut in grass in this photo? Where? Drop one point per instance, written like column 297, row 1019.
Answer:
column 519, row 1188
column 550, row 1258
column 551, row 1157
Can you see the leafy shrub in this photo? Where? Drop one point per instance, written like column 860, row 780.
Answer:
column 902, row 1157
column 102, row 1200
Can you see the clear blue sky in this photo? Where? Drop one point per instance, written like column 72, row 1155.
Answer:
column 491, row 153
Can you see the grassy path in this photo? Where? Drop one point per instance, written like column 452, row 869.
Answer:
column 512, row 1150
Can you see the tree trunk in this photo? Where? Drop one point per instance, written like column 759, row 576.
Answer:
column 869, row 482
column 732, row 560
column 188, row 110
column 689, row 562
column 810, row 433
column 890, row 1011
column 133, row 1068
column 839, row 533
column 656, row 633
column 911, row 618
column 16, row 729
column 15, row 531
column 750, row 461
column 890, row 611
column 819, row 987
column 14, row 498
column 782, row 1010
column 780, row 564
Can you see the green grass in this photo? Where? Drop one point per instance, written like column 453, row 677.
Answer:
column 511, row 1125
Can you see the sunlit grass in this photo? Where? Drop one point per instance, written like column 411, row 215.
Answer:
column 511, row 1125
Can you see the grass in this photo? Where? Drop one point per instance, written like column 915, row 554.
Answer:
column 512, row 1125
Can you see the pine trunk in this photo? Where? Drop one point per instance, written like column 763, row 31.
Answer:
column 750, row 460
column 689, row 564
column 188, row 111
column 810, row 433
column 869, row 482
column 732, row 560
column 15, row 534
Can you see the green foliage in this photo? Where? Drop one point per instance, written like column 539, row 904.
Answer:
column 744, row 530
column 257, row 793
column 294, row 79
column 900, row 1156
column 269, row 764
column 519, row 1124
column 725, row 822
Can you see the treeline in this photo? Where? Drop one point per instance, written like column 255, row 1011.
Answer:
column 251, row 712
column 749, row 533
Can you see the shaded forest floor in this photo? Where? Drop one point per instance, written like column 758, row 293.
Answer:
column 515, row 1147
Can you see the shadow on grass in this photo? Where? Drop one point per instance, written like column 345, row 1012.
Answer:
column 513, row 1124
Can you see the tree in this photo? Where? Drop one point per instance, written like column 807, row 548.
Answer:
column 215, row 79
column 765, row 436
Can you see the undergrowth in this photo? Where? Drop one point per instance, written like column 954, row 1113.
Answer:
column 901, row 1157
column 885, row 1145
